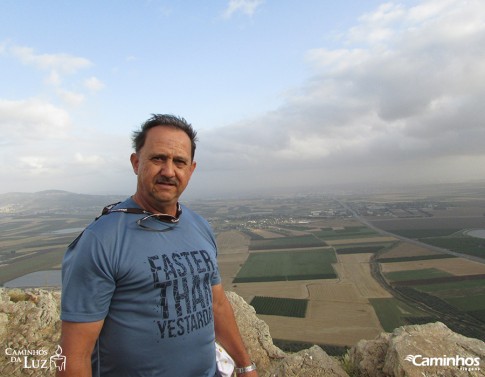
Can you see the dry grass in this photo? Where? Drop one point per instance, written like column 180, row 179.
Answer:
column 339, row 311
column 406, row 249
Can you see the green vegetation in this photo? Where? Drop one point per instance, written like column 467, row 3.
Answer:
column 423, row 233
column 452, row 316
column 360, row 249
column 465, row 245
column 286, row 243
column 288, row 265
column 425, row 273
column 415, row 258
column 454, row 288
column 467, row 295
column 393, row 313
column 468, row 303
column 286, row 307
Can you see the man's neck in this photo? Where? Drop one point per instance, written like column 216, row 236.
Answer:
column 167, row 210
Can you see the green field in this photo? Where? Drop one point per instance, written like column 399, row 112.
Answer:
column 425, row 273
column 468, row 303
column 286, row 243
column 374, row 248
column 393, row 313
column 288, row 265
column 415, row 258
column 423, row 233
column 468, row 295
column 465, row 245
column 453, row 289
column 286, row 307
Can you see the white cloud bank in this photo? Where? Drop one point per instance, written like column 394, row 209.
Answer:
column 402, row 102
column 399, row 101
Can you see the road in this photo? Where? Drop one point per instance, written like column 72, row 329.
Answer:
column 364, row 221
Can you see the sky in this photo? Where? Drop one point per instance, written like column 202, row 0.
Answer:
column 284, row 94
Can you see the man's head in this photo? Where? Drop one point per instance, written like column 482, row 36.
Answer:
column 163, row 162
column 166, row 120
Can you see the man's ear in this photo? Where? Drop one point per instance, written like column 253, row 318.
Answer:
column 134, row 162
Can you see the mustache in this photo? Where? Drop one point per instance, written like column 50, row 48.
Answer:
column 167, row 180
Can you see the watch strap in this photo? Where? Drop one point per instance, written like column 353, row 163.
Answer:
column 247, row 369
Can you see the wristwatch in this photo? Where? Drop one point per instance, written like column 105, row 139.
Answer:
column 247, row 369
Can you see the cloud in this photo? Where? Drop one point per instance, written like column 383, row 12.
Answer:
column 60, row 63
column 32, row 119
column 247, row 7
column 93, row 84
column 401, row 99
column 71, row 98
column 88, row 160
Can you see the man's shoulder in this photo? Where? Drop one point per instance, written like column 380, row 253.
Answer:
column 107, row 216
column 102, row 225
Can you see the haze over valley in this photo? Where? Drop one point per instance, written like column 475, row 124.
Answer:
column 320, row 268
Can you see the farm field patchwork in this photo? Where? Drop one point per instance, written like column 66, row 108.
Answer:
column 466, row 295
column 288, row 265
column 454, row 266
column 35, row 243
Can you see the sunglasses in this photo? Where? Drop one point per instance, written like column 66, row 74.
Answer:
column 152, row 221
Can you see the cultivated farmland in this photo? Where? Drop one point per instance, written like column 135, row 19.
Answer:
column 328, row 254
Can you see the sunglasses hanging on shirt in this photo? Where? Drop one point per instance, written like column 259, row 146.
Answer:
column 154, row 222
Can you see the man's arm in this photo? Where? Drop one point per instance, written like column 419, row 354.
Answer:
column 227, row 332
column 77, row 342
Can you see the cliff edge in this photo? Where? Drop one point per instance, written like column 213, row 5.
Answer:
column 30, row 328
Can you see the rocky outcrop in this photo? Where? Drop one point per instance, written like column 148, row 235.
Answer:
column 417, row 351
column 29, row 329
column 29, row 324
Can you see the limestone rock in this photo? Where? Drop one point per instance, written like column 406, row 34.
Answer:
column 420, row 351
column 313, row 362
column 367, row 357
column 29, row 320
column 255, row 333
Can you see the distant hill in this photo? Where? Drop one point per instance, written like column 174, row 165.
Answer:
column 55, row 202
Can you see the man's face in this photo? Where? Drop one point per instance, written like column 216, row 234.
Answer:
column 164, row 167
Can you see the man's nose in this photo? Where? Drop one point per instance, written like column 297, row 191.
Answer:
column 168, row 168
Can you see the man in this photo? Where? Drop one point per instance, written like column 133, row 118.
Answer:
column 142, row 293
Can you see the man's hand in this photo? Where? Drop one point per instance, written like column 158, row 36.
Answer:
column 227, row 332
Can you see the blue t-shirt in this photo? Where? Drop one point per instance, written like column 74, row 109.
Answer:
column 153, row 290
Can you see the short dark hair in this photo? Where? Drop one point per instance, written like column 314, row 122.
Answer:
column 166, row 120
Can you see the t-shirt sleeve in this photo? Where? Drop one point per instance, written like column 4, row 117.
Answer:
column 216, row 275
column 88, row 280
